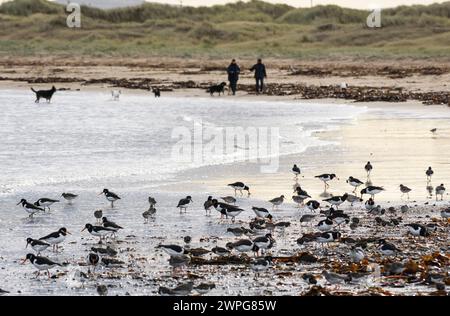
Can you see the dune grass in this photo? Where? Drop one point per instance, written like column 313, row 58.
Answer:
column 249, row 29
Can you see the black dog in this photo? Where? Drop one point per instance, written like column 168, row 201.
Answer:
column 220, row 88
column 157, row 92
column 44, row 94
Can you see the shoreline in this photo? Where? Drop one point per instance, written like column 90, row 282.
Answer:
column 367, row 80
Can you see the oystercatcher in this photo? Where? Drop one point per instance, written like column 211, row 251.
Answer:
column 325, row 225
column 418, row 230
column 260, row 212
column 371, row 190
column 337, row 200
column 354, row 183
column 173, row 250
column 112, row 225
column 41, row 263
column 312, row 205
column 45, row 203
column 220, row 251
column 183, row 203
column 30, row 208
column 56, row 238
column 98, row 231
column 264, row 242
column 296, row 171
column 325, row 178
column 37, row 245
column 387, row 249
column 110, row 196
column 239, row 186
column 242, row 245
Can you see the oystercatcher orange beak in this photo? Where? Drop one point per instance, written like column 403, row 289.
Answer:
column 67, row 232
column 83, row 229
column 23, row 261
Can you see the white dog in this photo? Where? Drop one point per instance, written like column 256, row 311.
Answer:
column 116, row 94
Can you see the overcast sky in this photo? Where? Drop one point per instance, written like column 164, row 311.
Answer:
column 360, row 4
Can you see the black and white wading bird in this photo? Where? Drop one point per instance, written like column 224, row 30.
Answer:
column 242, row 245
column 301, row 193
column 45, row 203
column 56, row 238
column 110, row 196
column 69, row 197
column 30, row 208
column 327, row 237
column 98, row 231
column 337, row 200
column 261, row 212
column 326, row 177
column 173, row 250
column 325, row 225
column 183, row 203
column 109, row 224
column 239, row 186
column 418, row 230
column 355, row 183
column 371, row 190
column 387, row 248
column 263, row 242
column 370, row 204
column 37, row 245
column 41, row 263
column 313, row 205
column 220, row 251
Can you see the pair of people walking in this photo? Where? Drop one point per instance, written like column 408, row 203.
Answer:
column 234, row 70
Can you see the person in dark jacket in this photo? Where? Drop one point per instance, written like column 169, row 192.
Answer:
column 260, row 74
column 233, row 71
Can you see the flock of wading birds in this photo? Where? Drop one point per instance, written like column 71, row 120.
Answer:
column 180, row 255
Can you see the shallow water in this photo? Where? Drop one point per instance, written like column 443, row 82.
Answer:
column 83, row 142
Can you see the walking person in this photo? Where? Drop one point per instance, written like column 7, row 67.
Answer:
column 260, row 74
column 233, row 71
